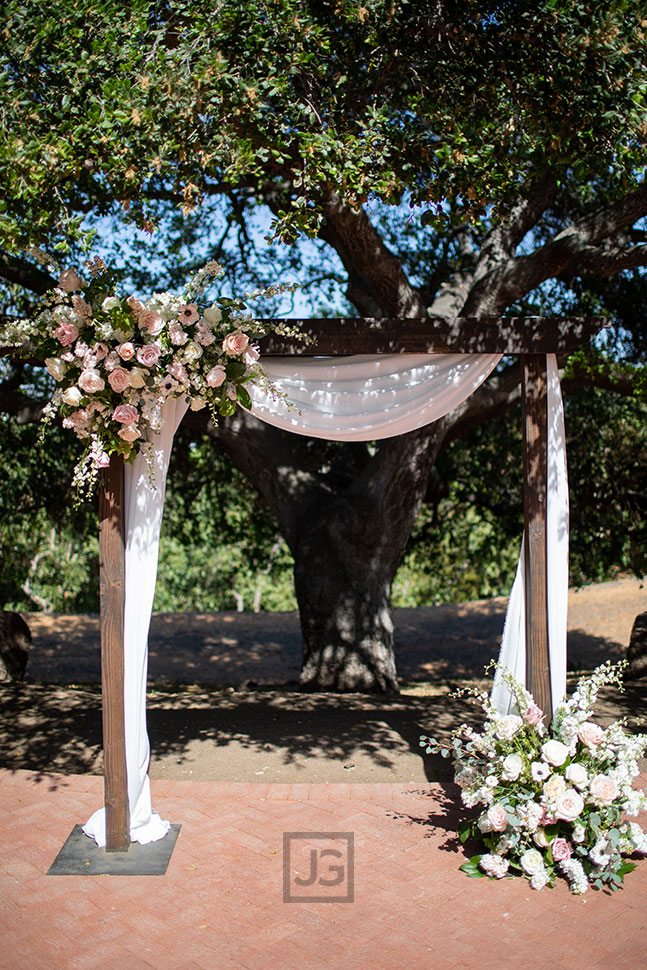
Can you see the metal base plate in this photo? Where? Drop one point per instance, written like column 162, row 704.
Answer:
column 81, row 856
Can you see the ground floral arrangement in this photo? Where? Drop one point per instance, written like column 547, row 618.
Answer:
column 117, row 359
column 555, row 801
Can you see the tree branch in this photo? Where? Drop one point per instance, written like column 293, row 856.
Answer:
column 19, row 271
column 377, row 283
column 498, row 286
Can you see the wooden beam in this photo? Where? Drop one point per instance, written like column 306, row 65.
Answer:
column 111, row 580
column 535, row 475
column 339, row 336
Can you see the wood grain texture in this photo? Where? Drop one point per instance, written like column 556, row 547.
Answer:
column 535, row 474
column 339, row 336
column 111, row 580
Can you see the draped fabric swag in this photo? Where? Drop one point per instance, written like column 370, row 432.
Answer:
column 363, row 398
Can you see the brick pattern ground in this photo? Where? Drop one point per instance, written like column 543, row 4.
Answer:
column 220, row 904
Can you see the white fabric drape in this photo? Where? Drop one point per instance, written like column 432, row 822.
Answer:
column 347, row 399
column 143, row 508
column 367, row 398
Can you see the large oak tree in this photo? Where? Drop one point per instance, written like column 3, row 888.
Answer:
column 514, row 131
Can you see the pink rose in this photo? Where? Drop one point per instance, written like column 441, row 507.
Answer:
column 103, row 460
column 129, row 433
column 66, row 333
column 125, row 414
column 533, row 715
column 560, row 849
column 126, row 350
column 603, row 789
column 91, row 381
column 216, row 376
column 235, row 343
column 149, row 354
column 151, row 321
column 569, row 805
column 497, row 818
column 100, row 350
column 188, row 314
column 590, row 734
column 119, row 380
column 178, row 371
column 69, row 280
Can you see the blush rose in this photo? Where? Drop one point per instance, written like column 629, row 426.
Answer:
column 91, row 381
column 66, row 333
column 125, row 414
column 119, row 379
column 590, row 734
column 569, row 805
column 235, row 343
column 603, row 789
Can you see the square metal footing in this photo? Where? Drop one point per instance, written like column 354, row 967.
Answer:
column 81, row 856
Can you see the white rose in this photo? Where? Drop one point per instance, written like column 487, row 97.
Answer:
column 532, row 861
column 110, row 303
column 56, row 367
column 512, row 767
column 577, row 775
column 123, row 336
column 554, row 752
column 508, row 726
column 137, row 376
column 72, row 396
column 192, row 352
column 540, row 839
column 213, row 315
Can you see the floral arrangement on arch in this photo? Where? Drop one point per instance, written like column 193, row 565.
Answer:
column 553, row 801
column 117, row 360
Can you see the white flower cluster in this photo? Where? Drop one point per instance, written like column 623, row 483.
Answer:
column 552, row 801
column 117, row 360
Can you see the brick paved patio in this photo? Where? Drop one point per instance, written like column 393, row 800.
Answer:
column 220, row 904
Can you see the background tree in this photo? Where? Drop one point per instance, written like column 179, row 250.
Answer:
column 514, row 132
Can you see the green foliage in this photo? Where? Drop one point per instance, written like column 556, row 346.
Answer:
column 108, row 105
column 49, row 549
column 607, row 460
column 220, row 549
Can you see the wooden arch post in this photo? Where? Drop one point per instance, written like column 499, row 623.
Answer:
column 112, row 588
column 534, row 395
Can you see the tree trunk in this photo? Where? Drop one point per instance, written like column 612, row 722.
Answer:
column 347, row 533
column 343, row 587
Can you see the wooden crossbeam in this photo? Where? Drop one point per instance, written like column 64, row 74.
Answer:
column 340, row 336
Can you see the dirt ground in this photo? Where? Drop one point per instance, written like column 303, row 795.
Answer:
column 224, row 703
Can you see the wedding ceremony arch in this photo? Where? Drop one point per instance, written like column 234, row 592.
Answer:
column 354, row 379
